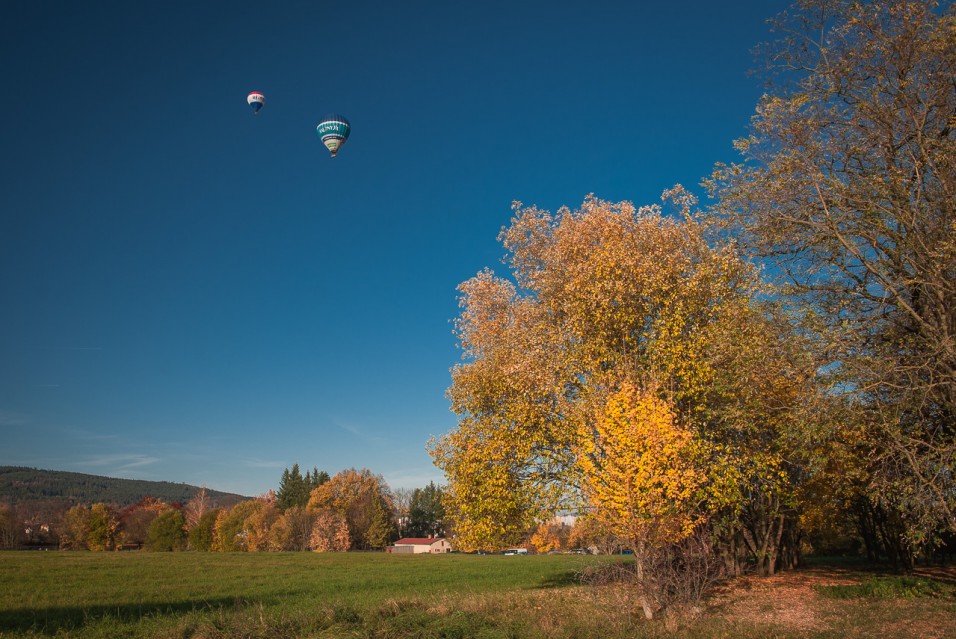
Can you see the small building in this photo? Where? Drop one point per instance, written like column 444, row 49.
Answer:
column 420, row 546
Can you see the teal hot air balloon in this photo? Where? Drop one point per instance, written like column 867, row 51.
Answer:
column 333, row 130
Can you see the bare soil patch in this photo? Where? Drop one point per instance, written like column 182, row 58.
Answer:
column 791, row 601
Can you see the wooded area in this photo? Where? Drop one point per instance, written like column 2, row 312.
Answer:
column 775, row 372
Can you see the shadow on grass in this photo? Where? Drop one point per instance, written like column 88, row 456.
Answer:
column 562, row 580
column 944, row 573
column 590, row 574
column 58, row 619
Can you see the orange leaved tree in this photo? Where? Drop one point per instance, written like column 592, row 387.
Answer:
column 364, row 500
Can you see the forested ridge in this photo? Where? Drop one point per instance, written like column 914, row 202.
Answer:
column 20, row 484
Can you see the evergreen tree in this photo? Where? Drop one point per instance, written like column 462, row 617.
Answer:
column 293, row 489
column 316, row 479
column 426, row 514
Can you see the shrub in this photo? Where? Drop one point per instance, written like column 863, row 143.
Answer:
column 167, row 532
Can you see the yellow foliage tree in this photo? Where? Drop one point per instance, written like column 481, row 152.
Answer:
column 231, row 533
column 488, row 499
column 600, row 296
column 550, row 536
column 103, row 523
column 643, row 476
column 641, row 472
column 75, row 528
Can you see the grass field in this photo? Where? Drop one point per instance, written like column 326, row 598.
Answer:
column 206, row 595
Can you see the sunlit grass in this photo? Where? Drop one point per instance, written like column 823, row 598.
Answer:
column 53, row 591
column 378, row 596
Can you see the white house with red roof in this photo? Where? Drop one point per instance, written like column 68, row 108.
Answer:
column 420, row 546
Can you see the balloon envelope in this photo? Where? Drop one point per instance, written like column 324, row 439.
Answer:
column 256, row 100
column 334, row 130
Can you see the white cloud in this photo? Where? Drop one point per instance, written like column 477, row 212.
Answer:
column 359, row 433
column 263, row 463
column 417, row 477
column 11, row 418
column 88, row 435
column 119, row 462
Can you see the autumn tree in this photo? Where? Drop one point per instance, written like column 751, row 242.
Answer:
column 762, row 421
column 848, row 188
column 200, row 503
column 257, row 526
column 135, row 520
column 643, row 475
column 364, row 500
column 601, row 297
column 490, row 506
column 550, row 536
column 330, row 531
column 292, row 530
column 202, row 534
column 231, row 531
column 103, row 523
column 10, row 529
column 75, row 528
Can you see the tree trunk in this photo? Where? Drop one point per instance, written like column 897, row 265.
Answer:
column 773, row 546
column 790, row 555
column 762, row 531
column 867, row 527
column 728, row 546
column 640, row 556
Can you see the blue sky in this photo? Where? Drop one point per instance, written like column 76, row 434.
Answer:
column 195, row 294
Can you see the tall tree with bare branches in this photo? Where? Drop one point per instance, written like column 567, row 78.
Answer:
column 848, row 189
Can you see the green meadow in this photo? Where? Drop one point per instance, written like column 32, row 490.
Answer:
column 379, row 596
column 138, row 594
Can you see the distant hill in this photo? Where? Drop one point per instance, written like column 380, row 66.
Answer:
column 20, row 485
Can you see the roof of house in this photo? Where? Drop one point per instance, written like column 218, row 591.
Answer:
column 418, row 541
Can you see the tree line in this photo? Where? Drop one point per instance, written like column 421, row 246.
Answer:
column 354, row 510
